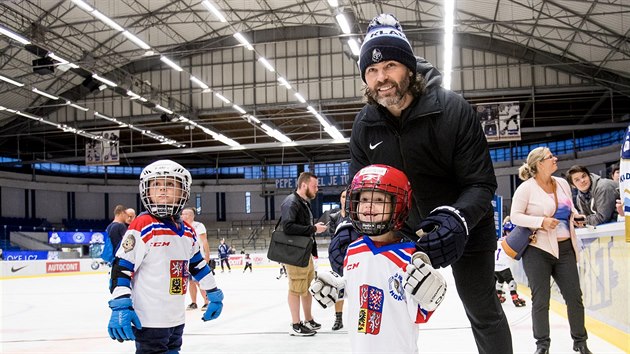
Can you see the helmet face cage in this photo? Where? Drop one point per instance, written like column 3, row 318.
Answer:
column 395, row 206
column 170, row 177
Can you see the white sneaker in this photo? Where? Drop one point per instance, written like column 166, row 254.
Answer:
column 300, row 330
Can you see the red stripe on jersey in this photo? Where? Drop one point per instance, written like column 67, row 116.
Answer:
column 395, row 259
column 356, row 250
column 422, row 316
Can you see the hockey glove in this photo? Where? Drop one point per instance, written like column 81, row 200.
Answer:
column 442, row 236
column 123, row 316
column 215, row 304
column 327, row 288
column 426, row 285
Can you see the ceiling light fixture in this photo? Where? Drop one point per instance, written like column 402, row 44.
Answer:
column 136, row 40
column 354, row 46
column 300, row 98
column 449, row 10
column 170, row 63
column 238, row 108
column 83, row 5
column 163, row 109
column 266, row 64
column 222, row 98
column 44, row 94
column 104, row 80
column 199, row 82
column 343, row 23
column 13, row 82
column 243, row 41
column 284, row 82
column 214, row 10
column 14, row 36
column 108, row 21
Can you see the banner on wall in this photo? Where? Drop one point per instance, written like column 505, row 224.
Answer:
column 497, row 205
column 76, row 237
column 103, row 152
column 500, row 121
column 624, row 180
column 325, row 181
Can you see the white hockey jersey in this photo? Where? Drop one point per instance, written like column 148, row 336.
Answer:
column 159, row 255
column 501, row 259
column 382, row 318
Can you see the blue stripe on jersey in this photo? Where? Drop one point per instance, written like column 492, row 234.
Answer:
column 196, row 258
column 397, row 248
column 123, row 282
column 126, row 264
column 199, row 274
column 157, row 225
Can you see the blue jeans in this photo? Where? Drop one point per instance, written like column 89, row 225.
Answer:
column 158, row 340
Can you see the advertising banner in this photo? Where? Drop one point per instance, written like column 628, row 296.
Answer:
column 103, row 152
column 76, row 237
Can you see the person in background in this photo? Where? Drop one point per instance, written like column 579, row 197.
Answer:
column 297, row 220
column 614, row 172
column 115, row 231
column 283, row 271
column 188, row 215
column 338, row 217
column 596, row 198
column 434, row 136
column 224, row 255
column 131, row 214
column 343, row 235
column 248, row 263
column 544, row 203
column 502, row 271
column 390, row 288
column 150, row 273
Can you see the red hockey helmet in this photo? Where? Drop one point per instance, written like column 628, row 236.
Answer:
column 384, row 179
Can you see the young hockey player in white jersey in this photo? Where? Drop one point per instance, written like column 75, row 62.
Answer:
column 389, row 289
column 149, row 277
column 502, row 272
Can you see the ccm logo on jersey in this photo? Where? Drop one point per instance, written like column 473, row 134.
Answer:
column 352, row 266
column 160, row 244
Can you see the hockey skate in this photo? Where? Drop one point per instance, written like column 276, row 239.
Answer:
column 501, row 297
column 518, row 302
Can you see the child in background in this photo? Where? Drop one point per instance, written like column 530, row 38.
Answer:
column 150, row 272
column 248, row 263
column 388, row 288
column 283, row 271
column 502, row 272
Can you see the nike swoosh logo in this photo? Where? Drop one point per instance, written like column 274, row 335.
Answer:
column 372, row 147
column 14, row 269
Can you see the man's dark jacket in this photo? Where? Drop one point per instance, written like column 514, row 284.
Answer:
column 438, row 142
column 296, row 218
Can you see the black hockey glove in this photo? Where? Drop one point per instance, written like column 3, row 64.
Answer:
column 442, row 236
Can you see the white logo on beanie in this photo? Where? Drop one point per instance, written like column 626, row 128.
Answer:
column 377, row 56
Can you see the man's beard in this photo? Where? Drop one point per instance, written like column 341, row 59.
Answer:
column 309, row 194
column 395, row 100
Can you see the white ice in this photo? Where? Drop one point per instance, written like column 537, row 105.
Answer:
column 69, row 314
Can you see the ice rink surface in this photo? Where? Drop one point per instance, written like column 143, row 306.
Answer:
column 69, row 314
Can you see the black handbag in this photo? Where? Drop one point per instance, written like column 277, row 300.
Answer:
column 515, row 243
column 289, row 249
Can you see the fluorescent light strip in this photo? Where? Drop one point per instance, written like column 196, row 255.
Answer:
column 28, row 115
column 251, row 117
column 62, row 61
column 133, row 95
column 299, row 97
column 84, row 109
column 107, row 21
column 163, row 109
column 83, row 5
column 14, row 36
column 238, row 108
column 199, row 82
column 44, row 94
column 221, row 97
column 449, row 11
column 104, row 80
column 243, row 41
column 136, row 40
column 13, row 82
column 214, row 10
column 343, row 23
column 333, row 3
column 267, row 65
column 312, row 110
column 170, row 63
column 354, row 46
column 284, row 82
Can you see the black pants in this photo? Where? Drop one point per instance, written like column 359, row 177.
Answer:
column 226, row 260
column 249, row 265
column 474, row 279
column 540, row 267
column 158, row 340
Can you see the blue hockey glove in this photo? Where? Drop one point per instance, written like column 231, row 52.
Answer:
column 442, row 236
column 123, row 316
column 215, row 304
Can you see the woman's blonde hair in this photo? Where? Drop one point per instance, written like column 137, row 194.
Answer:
column 529, row 168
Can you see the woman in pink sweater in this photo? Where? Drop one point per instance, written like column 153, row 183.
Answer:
column 543, row 202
